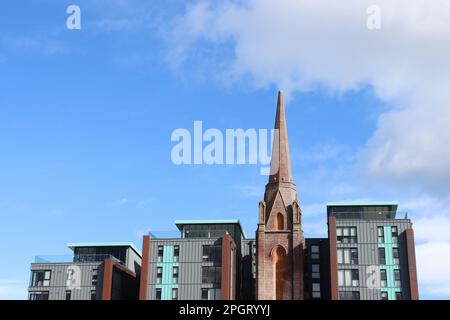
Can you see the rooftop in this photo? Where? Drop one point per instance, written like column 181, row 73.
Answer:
column 181, row 223
column 365, row 210
column 72, row 246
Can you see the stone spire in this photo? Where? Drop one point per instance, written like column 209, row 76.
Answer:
column 280, row 164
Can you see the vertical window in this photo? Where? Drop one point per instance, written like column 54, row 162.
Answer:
column 159, row 271
column 160, row 253
column 397, row 278
column 316, row 290
column 315, row 271
column 347, row 256
column 396, row 255
column 340, row 256
column 41, row 278
column 381, row 256
column 354, row 255
column 380, row 234
column 205, row 294
column 398, row 296
column 347, row 278
column 158, row 294
column 94, row 277
column 176, row 253
column 175, row 275
column 339, row 235
column 93, row 295
column 174, row 294
column 384, row 295
column 340, row 278
column 68, row 294
column 355, row 277
column 315, row 251
column 383, row 278
column 394, row 230
column 353, row 237
column 279, row 222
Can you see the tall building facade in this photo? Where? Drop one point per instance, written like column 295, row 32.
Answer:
column 372, row 253
column 204, row 263
column 279, row 237
column 95, row 271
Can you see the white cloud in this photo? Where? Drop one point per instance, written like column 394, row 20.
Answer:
column 304, row 45
column 433, row 264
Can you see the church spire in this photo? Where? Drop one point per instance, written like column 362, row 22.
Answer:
column 280, row 164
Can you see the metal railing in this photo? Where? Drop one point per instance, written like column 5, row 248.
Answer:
column 79, row 258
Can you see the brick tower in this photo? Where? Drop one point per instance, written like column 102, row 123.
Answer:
column 279, row 237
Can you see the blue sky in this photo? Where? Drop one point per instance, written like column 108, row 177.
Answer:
column 86, row 118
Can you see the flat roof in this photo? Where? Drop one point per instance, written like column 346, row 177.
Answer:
column 362, row 203
column 392, row 207
column 131, row 245
column 180, row 223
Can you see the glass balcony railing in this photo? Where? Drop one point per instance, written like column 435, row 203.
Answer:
column 85, row 258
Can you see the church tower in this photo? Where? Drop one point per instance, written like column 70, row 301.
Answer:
column 279, row 237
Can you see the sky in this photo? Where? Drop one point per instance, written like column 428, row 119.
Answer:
column 86, row 118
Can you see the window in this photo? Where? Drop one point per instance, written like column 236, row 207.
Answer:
column 39, row 295
column 349, row 295
column 394, row 234
column 93, row 295
column 397, row 278
column 398, row 296
column 315, row 271
column 211, row 275
column 384, row 295
column 354, row 256
column 94, row 277
column 346, row 235
column 205, row 294
column 158, row 294
column 380, row 234
column 176, row 253
column 316, row 290
column 355, row 277
column 396, row 255
column 175, row 275
column 68, row 294
column 41, row 278
column 279, row 221
column 160, row 253
column 383, row 278
column 315, row 252
column 348, row 278
column 381, row 256
column 347, row 256
column 159, row 271
column 174, row 294
column 212, row 253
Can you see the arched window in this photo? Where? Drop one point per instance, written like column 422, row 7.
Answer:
column 279, row 272
column 279, row 221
